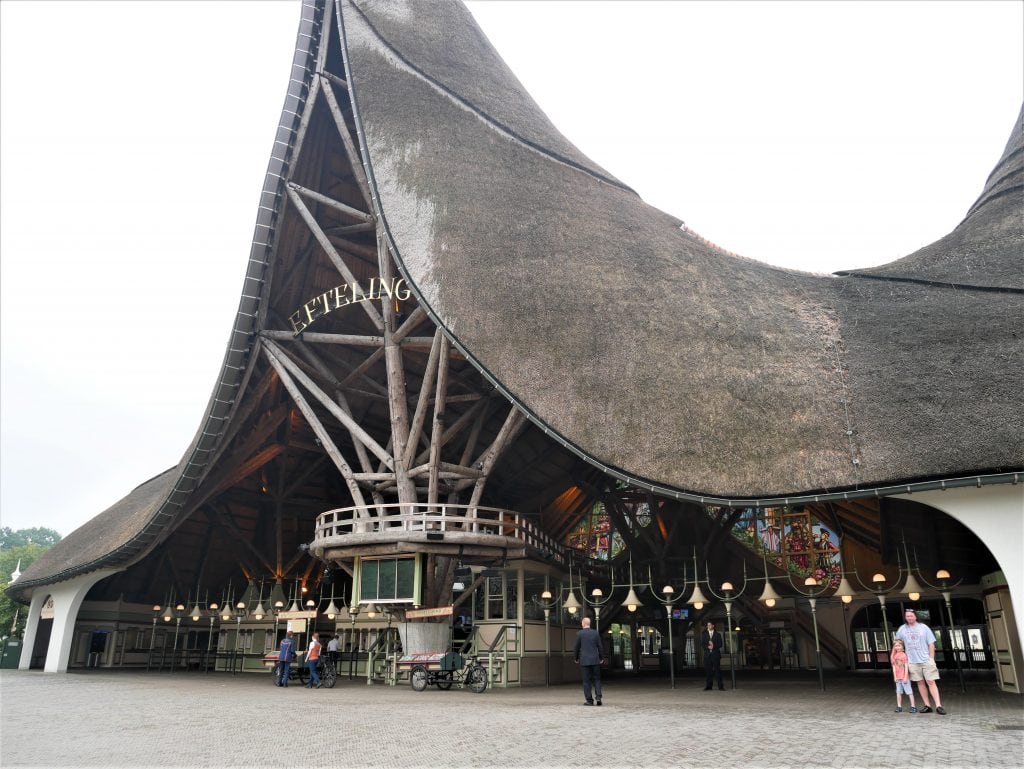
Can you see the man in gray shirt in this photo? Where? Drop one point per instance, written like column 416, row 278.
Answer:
column 919, row 641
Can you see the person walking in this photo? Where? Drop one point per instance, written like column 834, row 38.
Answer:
column 919, row 641
column 312, row 658
column 332, row 649
column 589, row 655
column 285, row 654
column 712, row 641
column 901, row 674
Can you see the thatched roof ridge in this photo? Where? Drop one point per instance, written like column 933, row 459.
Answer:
column 985, row 248
column 650, row 351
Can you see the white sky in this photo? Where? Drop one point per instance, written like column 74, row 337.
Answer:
column 134, row 137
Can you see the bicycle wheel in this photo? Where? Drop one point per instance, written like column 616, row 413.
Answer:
column 476, row 679
column 418, row 678
column 328, row 675
column 444, row 680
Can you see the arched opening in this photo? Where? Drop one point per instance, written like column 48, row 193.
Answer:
column 42, row 642
column 966, row 639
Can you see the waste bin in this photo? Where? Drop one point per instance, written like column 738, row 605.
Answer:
column 10, row 655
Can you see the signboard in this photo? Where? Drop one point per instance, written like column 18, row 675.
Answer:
column 440, row 611
column 346, row 294
column 297, row 625
column 297, row 614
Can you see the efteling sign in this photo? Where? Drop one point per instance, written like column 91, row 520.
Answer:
column 343, row 295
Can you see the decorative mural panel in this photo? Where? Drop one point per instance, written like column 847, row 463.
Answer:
column 595, row 535
column 792, row 539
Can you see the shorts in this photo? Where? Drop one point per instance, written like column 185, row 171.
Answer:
column 904, row 687
column 926, row 671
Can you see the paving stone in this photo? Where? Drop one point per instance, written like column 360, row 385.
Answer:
column 137, row 719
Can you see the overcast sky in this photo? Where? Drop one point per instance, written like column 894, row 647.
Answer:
column 134, row 137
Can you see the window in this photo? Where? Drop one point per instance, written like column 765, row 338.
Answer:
column 595, row 536
column 387, row 580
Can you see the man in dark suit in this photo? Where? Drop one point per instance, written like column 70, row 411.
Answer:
column 589, row 655
column 712, row 641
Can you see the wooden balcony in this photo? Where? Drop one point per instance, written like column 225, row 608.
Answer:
column 440, row 528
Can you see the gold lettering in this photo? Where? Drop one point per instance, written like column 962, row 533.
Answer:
column 401, row 294
column 387, row 289
column 297, row 324
column 310, row 306
column 340, row 300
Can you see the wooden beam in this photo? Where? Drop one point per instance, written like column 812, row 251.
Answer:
column 354, row 158
column 410, row 323
column 437, row 428
column 337, row 205
column 420, row 414
column 332, row 254
column 358, row 433
column 354, row 340
column 318, row 428
column 397, row 406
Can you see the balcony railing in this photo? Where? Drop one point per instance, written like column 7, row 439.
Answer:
column 391, row 521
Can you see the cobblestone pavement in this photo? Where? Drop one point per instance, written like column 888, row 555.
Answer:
column 136, row 719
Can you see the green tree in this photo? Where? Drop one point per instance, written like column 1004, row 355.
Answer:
column 37, row 536
column 24, row 546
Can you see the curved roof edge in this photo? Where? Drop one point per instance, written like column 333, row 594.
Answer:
column 238, row 357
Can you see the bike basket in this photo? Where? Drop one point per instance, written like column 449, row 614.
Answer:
column 452, row 661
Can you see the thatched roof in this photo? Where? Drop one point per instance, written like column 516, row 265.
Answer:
column 646, row 348
column 639, row 346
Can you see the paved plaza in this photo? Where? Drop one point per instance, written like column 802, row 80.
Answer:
column 135, row 719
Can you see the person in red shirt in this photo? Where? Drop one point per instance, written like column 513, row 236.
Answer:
column 312, row 658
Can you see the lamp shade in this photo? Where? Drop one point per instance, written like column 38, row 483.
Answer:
column 912, row 588
column 668, row 590
column 727, row 587
column 371, row 611
column 697, row 600
column 878, row 578
column 225, row 612
column 845, row 590
column 168, row 614
column 768, row 595
column 259, row 612
column 332, row 610
column 196, row 613
column 546, row 595
column 632, row 602
column 571, row 605
column 277, row 598
column 942, row 574
column 248, row 599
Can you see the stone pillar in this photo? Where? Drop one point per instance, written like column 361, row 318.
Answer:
column 39, row 596
column 67, row 599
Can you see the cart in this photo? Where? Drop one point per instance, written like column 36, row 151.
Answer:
column 444, row 670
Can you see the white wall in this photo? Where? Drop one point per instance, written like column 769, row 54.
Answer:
column 996, row 515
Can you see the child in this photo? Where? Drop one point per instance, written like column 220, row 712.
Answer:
column 901, row 673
